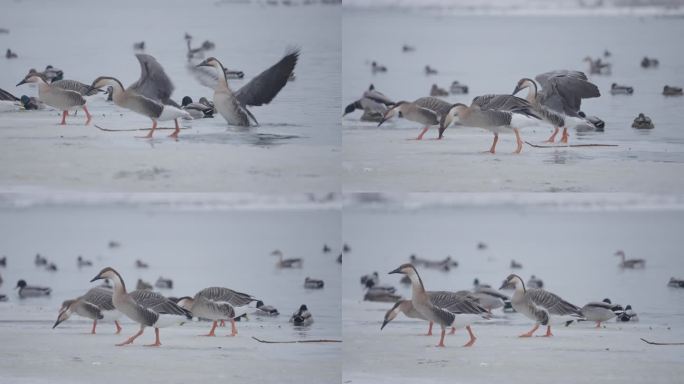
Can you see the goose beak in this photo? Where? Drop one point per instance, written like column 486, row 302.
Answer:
column 383, row 324
column 90, row 89
column 57, row 323
column 98, row 277
column 516, row 90
column 202, row 64
column 504, row 285
column 398, row 270
column 382, row 121
column 21, row 82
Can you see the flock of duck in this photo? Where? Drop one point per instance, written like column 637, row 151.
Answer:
column 553, row 98
column 150, row 96
column 461, row 308
column 111, row 300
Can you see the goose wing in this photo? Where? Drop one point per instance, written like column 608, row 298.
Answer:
column 153, row 82
column 552, row 303
column 4, row 95
column 492, row 292
column 154, row 304
column 457, row 302
column 264, row 87
column 76, row 86
column 563, row 90
column 505, row 103
column 92, row 309
column 221, row 294
column 101, row 297
column 438, row 106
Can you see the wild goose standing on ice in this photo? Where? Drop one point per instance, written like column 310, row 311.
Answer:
column 538, row 304
column 259, row 91
column 217, row 303
column 428, row 111
column 437, row 311
column 558, row 103
column 147, row 308
column 129, row 99
column 57, row 97
column 96, row 305
column 495, row 113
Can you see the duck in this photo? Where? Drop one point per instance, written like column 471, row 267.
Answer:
column 53, row 74
column 477, row 285
column 196, row 110
column 310, row 283
column 374, row 277
column 26, row 291
column 141, row 264
column 630, row 263
column 538, row 305
column 31, row 103
column 627, row 315
column 96, row 304
column 616, row 89
column 326, row 249
column 458, row 88
column 535, row 282
column 3, row 261
column 594, row 122
column 375, row 68
column 481, row 246
column 381, row 295
column 642, row 122
column 139, row 46
column 373, row 103
column 10, row 55
column 136, row 102
column 407, row 48
column 346, row 248
column 649, row 62
column 490, row 298
column 302, row 316
column 147, row 308
column 515, row 265
column 339, row 259
column 430, row 71
column 675, row 283
column 672, row 91
column 81, row 262
column 286, row 263
column 372, row 285
column 598, row 67
column 52, row 267
column 115, row 244
column 437, row 91
column 218, row 303
column 143, row 285
column 442, row 311
column 164, row 283
column 1, row 281
column 265, row 310
column 3, row 298
column 599, row 312
column 58, row 97
column 39, row 260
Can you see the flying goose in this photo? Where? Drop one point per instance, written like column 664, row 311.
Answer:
column 302, row 316
column 147, row 308
column 443, row 309
column 26, row 290
column 259, row 91
column 630, row 263
column 286, row 263
column 538, row 304
column 265, row 310
column 559, row 101
column 599, row 311
column 427, row 111
column 137, row 102
column 495, row 113
column 373, row 104
column 57, row 97
column 217, row 303
column 96, row 305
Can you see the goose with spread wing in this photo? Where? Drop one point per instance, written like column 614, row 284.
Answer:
column 262, row 89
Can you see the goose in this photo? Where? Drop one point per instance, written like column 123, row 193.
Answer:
column 57, row 97
column 196, row 110
column 164, row 283
column 535, row 282
column 310, row 283
column 373, row 104
column 143, row 285
column 96, row 305
column 153, row 82
column 374, row 277
column 674, row 282
column 430, row 71
column 630, row 263
column 265, row 310
column 287, row 263
column 140, row 264
column 627, row 315
column 442, row 307
column 616, row 89
column 538, row 304
column 649, row 62
column 147, row 308
column 26, row 291
column 642, row 122
column 598, row 67
column 217, row 303
column 495, row 113
column 599, row 311
column 81, row 262
column 10, row 55
column 302, row 316
column 458, row 88
column 437, row 91
column 55, row 79
column 427, row 111
column 559, row 101
column 672, row 91
column 129, row 99
column 39, row 260
column 375, row 68
column 516, row 265
column 259, row 91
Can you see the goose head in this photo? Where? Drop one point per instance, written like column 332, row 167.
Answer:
column 32, row 78
column 396, row 108
column 64, row 312
column 451, row 116
column 513, row 281
column 391, row 314
column 523, row 84
column 104, row 81
column 210, row 62
column 107, row 273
